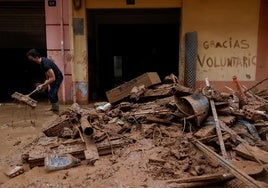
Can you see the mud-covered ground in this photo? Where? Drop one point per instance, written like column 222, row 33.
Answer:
column 129, row 166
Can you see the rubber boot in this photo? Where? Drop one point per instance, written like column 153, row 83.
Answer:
column 55, row 108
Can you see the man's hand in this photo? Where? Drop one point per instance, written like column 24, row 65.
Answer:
column 39, row 87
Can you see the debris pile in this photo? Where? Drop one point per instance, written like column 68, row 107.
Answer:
column 200, row 137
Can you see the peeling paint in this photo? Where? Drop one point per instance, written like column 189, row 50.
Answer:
column 82, row 89
column 69, row 57
column 83, row 58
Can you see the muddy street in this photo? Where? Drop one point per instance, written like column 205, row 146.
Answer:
column 162, row 136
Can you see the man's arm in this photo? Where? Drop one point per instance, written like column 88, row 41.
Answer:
column 50, row 78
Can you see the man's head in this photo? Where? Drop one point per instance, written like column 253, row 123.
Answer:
column 33, row 55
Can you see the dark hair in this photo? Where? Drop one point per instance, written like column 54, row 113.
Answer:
column 33, row 52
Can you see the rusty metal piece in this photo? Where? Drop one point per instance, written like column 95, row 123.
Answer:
column 217, row 122
column 218, row 129
column 91, row 151
column 24, row 99
column 256, row 85
column 212, row 93
column 86, row 126
column 195, row 104
column 244, row 99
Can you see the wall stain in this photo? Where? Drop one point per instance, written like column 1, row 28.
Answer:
column 81, row 89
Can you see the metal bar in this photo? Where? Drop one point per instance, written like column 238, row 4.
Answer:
column 237, row 173
column 218, row 129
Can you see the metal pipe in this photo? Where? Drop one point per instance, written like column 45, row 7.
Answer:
column 72, row 49
column 62, row 52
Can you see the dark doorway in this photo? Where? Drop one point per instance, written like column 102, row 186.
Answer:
column 22, row 27
column 125, row 44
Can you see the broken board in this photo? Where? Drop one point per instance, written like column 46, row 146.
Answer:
column 252, row 152
column 123, row 91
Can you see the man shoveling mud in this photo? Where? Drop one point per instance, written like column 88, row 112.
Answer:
column 53, row 80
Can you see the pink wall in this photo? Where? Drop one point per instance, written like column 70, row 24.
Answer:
column 57, row 31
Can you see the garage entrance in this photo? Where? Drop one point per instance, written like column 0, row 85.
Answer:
column 22, row 27
column 124, row 44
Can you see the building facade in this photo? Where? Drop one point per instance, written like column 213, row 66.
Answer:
column 99, row 44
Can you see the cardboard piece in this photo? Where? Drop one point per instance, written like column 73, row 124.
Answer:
column 123, row 91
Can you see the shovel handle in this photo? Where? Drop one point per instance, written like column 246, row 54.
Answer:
column 33, row 92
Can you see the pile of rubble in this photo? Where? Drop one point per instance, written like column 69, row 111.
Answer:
column 203, row 136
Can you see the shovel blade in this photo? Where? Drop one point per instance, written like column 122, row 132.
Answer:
column 24, row 99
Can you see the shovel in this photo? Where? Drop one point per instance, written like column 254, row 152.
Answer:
column 26, row 99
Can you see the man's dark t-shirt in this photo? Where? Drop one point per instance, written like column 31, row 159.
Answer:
column 47, row 64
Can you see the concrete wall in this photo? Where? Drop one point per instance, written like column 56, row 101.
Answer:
column 227, row 39
column 79, row 51
column 68, row 49
column 58, row 43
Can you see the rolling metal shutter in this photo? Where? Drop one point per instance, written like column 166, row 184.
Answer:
column 22, row 24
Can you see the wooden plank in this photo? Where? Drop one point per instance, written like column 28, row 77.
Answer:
column 205, row 131
column 55, row 128
column 240, row 174
column 123, row 91
column 209, row 177
column 75, row 148
column 91, row 152
column 252, row 152
column 163, row 90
